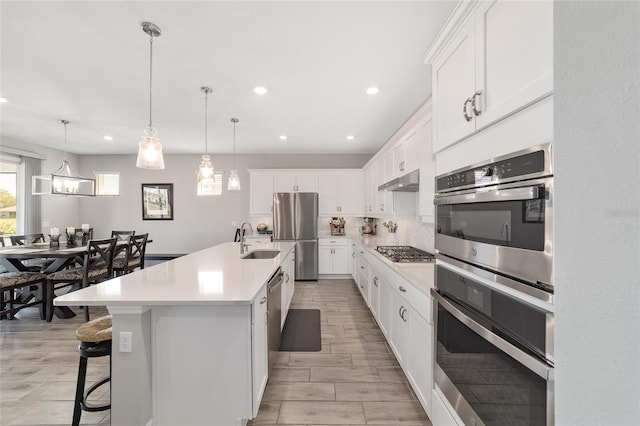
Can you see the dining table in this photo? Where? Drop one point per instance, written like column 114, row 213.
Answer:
column 13, row 259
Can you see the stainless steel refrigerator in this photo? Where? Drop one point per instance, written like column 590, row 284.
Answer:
column 295, row 218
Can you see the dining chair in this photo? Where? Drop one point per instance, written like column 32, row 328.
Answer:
column 122, row 235
column 97, row 265
column 33, row 265
column 134, row 255
column 31, row 283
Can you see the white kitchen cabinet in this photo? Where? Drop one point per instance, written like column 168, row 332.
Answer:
column 426, row 209
column 288, row 285
column 261, row 193
column 384, row 199
column 494, row 58
column 259, row 348
column 371, row 190
column 334, row 256
column 295, row 181
column 354, row 262
column 406, row 154
column 399, row 334
column 386, row 308
column 339, row 193
column 374, row 292
column 363, row 276
column 419, row 359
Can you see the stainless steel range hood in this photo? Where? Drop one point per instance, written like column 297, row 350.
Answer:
column 407, row 183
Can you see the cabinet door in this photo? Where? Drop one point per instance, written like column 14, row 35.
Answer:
column 372, row 188
column 260, row 350
column 328, row 188
column 374, row 293
column 350, row 193
column 261, row 194
column 420, row 357
column 399, row 160
column 453, row 83
column 340, row 260
column 354, row 261
column 307, row 182
column 325, row 260
column 386, row 308
column 514, row 54
column 284, row 182
column 412, row 149
column 427, row 173
column 399, row 330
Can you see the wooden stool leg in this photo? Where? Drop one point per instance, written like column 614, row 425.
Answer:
column 77, row 405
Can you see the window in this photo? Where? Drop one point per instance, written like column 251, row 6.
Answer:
column 8, row 198
column 107, row 184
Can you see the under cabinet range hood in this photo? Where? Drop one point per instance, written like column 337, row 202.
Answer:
column 406, row 183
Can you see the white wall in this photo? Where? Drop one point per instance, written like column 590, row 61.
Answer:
column 597, row 212
column 199, row 222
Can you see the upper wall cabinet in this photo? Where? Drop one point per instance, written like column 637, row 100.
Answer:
column 494, row 58
column 295, row 182
column 340, row 193
column 261, row 193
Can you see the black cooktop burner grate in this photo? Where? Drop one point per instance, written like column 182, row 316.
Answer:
column 405, row 254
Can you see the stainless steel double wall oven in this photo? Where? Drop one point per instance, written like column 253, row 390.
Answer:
column 494, row 289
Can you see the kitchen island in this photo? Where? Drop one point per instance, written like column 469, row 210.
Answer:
column 189, row 337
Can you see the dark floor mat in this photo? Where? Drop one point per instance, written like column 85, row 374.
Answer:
column 301, row 332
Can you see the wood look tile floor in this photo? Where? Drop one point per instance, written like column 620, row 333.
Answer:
column 353, row 380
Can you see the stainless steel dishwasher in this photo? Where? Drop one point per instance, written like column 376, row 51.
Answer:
column 274, row 315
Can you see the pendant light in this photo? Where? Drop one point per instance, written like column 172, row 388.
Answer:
column 206, row 183
column 150, row 149
column 234, row 179
column 63, row 181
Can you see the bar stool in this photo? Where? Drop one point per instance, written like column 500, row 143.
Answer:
column 95, row 341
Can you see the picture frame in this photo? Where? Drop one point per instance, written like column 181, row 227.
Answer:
column 157, row 201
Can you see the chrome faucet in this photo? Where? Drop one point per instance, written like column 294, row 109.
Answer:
column 243, row 246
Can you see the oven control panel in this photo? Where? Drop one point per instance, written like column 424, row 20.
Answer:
column 506, row 169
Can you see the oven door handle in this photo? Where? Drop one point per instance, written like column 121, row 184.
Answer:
column 533, row 364
column 514, row 194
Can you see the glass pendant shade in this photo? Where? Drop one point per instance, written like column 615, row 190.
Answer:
column 234, row 181
column 150, row 151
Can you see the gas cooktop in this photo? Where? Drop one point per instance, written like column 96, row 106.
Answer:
column 405, row 254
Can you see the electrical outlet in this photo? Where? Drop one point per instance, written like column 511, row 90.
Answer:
column 45, row 224
column 234, row 223
column 125, row 341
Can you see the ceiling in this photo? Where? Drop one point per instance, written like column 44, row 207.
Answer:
column 88, row 62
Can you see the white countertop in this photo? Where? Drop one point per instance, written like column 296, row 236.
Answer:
column 213, row 276
column 421, row 275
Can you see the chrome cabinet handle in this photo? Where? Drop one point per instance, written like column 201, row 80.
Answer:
column 362, row 267
column 404, row 311
column 375, row 281
column 400, row 311
column 475, row 110
column 464, row 110
column 287, row 275
column 401, row 166
column 353, row 254
column 263, row 300
column 402, row 289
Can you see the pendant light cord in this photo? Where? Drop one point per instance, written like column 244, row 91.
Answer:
column 65, row 122
column 150, row 75
column 206, row 108
column 234, row 144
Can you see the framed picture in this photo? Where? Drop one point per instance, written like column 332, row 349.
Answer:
column 157, row 201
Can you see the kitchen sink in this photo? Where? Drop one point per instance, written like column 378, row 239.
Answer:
column 261, row 254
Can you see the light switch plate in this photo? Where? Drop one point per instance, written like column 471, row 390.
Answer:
column 125, row 341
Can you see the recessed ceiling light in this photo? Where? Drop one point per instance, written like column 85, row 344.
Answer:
column 3, row 100
column 260, row 90
column 108, row 138
column 350, row 137
column 283, row 137
column 372, row 91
